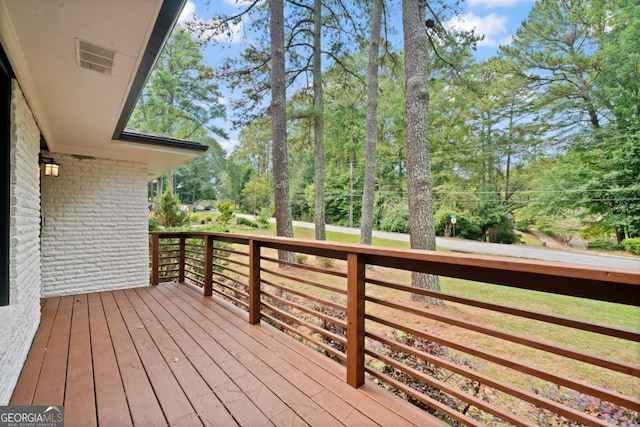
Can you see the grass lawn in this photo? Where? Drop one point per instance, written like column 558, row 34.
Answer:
column 529, row 239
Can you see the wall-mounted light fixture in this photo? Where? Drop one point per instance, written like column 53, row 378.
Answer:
column 51, row 168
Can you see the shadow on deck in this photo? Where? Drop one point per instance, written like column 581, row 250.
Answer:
column 167, row 355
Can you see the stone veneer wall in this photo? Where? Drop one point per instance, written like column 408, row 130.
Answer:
column 95, row 233
column 20, row 319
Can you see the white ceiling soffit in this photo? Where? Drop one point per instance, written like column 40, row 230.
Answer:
column 77, row 61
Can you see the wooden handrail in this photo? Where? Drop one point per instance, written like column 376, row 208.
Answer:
column 618, row 285
column 614, row 285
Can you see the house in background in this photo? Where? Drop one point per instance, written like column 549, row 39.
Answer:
column 71, row 72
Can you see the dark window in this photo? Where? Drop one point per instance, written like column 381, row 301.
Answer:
column 5, row 173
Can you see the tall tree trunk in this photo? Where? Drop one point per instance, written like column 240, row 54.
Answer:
column 371, row 126
column 507, row 180
column 421, row 223
column 171, row 181
column 318, row 124
column 278, row 112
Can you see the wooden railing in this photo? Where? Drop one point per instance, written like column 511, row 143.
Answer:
column 525, row 352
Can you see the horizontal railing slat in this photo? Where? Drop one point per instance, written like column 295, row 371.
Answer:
column 528, row 369
column 625, row 368
column 306, row 295
column 190, row 253
column 598, row 328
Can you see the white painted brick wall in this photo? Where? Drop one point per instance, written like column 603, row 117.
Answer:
column 95, row 234
column 19, row 320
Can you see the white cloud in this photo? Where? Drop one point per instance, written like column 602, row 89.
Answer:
column 490, row 4
column 229, row 145
column 188, row 12
column 222, row 100
column 238, row 2
column 233, row 35
column 492, row 26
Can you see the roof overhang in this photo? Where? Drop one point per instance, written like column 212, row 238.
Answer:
column 82, row 111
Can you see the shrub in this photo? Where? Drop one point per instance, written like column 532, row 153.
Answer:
column 167, row 211
column 604, row 244
column 263, row 217
column 466, row 226
column 194, row 218
column 226, row 211
column 301, row 258
column 214, row 227
column 523, row 225
column 395, row 218
column 208, row 218
column 632, row 245
column 244, row 221
column 506, row 235
column 153, row 223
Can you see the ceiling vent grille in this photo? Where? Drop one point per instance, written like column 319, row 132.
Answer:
column 93, row 57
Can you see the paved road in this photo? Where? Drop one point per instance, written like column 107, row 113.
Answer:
column 518, row 251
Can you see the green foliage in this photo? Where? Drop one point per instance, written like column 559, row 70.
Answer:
column 180, row 99
column 195, row 179
column 523, row 225
column 226, row 211
column 247, row 222
column 263, row 217
column 632, row 245
column 302, row 258
column 547, row 132
column 467, row 226
column 391, row 215
column 210, row 227
column 194, row 218
column 216, row 228
column 604, row 244
column 167, row 211
column 153, row 223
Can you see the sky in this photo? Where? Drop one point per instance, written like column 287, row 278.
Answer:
column 497, row 20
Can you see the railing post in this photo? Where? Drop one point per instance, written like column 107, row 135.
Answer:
column 208, row 264
column 355, row 319
column 254, row 282
column 181, row 259
column 155, row 258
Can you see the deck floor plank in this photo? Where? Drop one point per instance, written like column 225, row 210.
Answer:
column 378, row 406
column 166, row 355
column 175, row 405
column 143, row 404
column 79, row 396
column 28, row 381
column 209, row 408
column 111, row 401
column 52, row 380
column 233, row 384
column 280, row 376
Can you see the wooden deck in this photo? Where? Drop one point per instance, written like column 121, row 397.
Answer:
column 166, row 355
